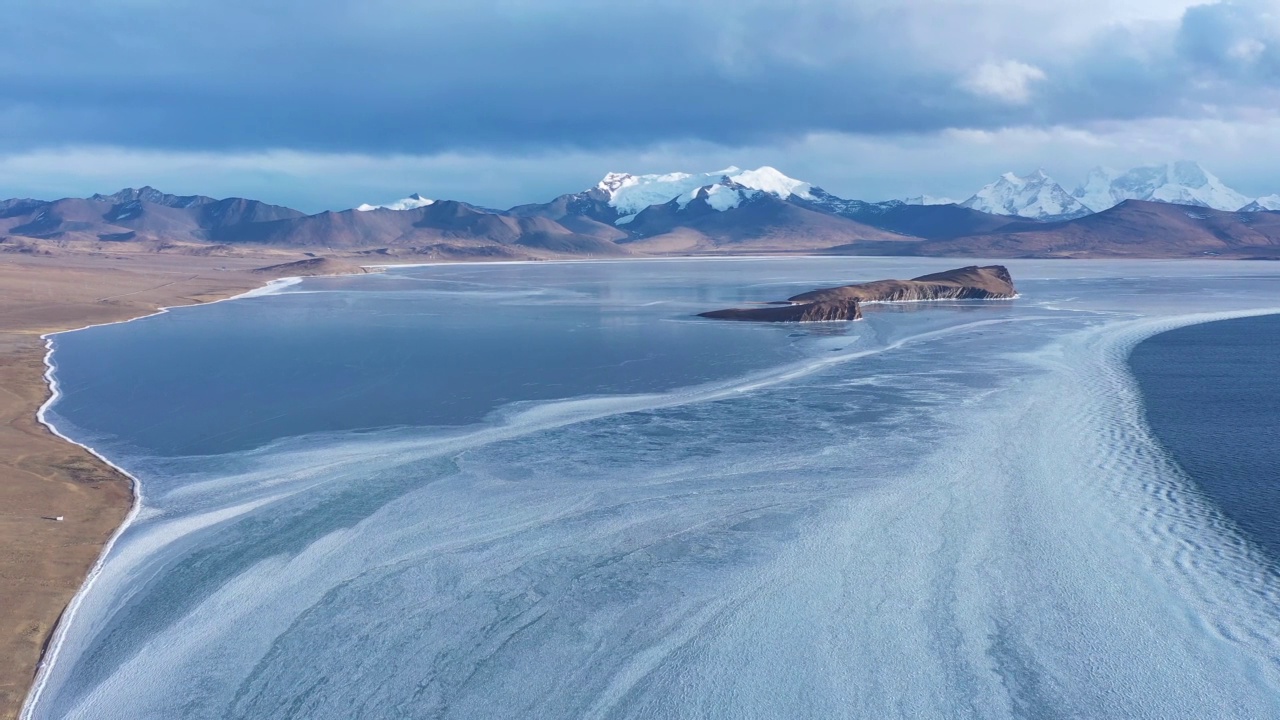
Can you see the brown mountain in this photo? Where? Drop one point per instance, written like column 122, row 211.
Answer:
column 763, row 223
column 446, row 223
column 585, row 224
column 237, row 211
column 934, row 222
column 1133, row 228
column 134, row 214
column 588, row 213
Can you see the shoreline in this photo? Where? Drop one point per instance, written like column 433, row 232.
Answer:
column 49, row 564
column 127, row 294
column 53, row 644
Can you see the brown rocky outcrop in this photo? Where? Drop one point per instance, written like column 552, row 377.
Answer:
column 966, row 283
column 844, row 303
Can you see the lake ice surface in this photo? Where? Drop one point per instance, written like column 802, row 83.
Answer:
column 547, row 490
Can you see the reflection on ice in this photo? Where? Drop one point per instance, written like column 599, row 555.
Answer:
column 937, row 512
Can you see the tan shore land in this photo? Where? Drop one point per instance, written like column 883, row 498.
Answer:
column 43, row 561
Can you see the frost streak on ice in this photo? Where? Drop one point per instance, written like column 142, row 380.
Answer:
column 943, row 517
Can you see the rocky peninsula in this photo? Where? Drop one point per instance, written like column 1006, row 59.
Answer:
column 843, row 303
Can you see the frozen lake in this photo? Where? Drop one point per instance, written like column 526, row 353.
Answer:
column 547, row 490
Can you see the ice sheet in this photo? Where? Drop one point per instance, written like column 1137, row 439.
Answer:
column 950, row 511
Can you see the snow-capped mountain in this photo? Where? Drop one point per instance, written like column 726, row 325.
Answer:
column 412, row 202
column 723, row 189
column 1266, row 202
column 728, row 211
column 928, row 200
column 1035, row 196
column 1182, row 183
column 1095, row 192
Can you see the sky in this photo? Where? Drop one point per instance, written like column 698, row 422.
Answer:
column 325, row 104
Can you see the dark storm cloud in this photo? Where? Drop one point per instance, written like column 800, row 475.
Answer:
column 375, row 76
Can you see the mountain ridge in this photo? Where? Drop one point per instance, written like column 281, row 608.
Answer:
column 1036, row 196
column 1181, row 183
column 731, row 211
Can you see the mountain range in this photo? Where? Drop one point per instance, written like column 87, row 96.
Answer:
column 1038, row 197
column 1176, row 210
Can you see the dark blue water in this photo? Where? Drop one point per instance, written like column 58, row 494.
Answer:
column 1212, row 393
column 418, row 347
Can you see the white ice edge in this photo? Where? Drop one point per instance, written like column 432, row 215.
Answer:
column 524, row 418
column 50, row 655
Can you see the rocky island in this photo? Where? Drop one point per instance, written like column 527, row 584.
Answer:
column 990, row 282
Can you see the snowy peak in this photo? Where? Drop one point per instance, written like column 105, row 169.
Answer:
column 767, row 179
column 723, row 189
column 1095, row 192
column 412, row 202
column 629, row 194
column 612, row 181
column 1186, row 183
column 1038, row 176
column 1264, row 203
column 1182, row 183
column 1034, row 196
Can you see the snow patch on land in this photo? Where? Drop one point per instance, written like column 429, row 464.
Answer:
column 412, row 202
column 1266, row 202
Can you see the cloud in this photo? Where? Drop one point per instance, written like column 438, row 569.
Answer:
column 1234, row 40
column 872, row 167
column 1248, row 50
column 501, row 75
column 502, row 101
column 1009, row 81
